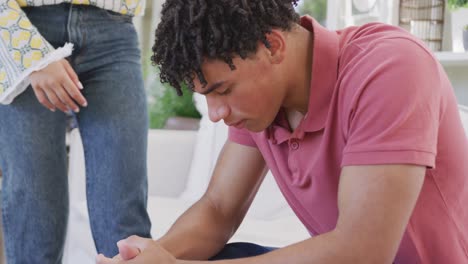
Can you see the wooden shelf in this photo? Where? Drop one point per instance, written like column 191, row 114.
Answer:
column 452, row 59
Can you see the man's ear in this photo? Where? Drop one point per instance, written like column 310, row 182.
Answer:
column 277, row 49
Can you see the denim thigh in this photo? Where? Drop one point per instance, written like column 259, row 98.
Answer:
column 35, row 183
column 114, row 128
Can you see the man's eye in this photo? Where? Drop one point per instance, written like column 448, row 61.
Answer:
column 225, row 92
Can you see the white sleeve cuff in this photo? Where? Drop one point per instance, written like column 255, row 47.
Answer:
column 23, row 81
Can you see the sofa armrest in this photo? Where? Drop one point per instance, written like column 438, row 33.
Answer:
column 170, row 155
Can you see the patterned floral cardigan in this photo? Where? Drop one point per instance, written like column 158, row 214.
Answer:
column 22, row 48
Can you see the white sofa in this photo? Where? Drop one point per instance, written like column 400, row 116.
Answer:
column 179, row 165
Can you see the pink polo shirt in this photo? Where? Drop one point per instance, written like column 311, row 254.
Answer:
column 377, row 96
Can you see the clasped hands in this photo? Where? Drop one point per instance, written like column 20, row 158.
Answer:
column 138, row 250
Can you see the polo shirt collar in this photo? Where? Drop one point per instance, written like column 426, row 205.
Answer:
column 324, row 75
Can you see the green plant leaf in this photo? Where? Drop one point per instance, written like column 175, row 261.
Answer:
column 164, row 103
column 315, row 8
column 455, row 4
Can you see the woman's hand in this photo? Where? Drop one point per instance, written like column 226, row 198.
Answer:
column 58, row 86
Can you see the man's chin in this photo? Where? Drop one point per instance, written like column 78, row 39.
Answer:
column 255, row 128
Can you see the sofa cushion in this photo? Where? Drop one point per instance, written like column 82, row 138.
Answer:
column 209, row 140
column 169, row 156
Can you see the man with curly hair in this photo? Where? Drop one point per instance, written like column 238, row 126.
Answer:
column 359, row 127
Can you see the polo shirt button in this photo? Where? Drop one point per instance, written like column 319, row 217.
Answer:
column 294, row 145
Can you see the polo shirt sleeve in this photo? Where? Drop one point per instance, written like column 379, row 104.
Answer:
column 241, row 136
column 392, row 113
column 22, row 51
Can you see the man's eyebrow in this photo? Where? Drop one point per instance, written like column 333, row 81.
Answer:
column 212, row 87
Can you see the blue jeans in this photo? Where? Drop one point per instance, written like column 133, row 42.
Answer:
column 114, row 131
column 241, row 250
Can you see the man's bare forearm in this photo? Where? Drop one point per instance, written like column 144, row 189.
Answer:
column 199, row 233
column 207, row 226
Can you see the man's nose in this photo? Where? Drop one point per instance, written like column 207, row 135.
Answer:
column 217, row 112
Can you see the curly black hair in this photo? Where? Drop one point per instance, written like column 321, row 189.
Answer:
column 193, row 30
